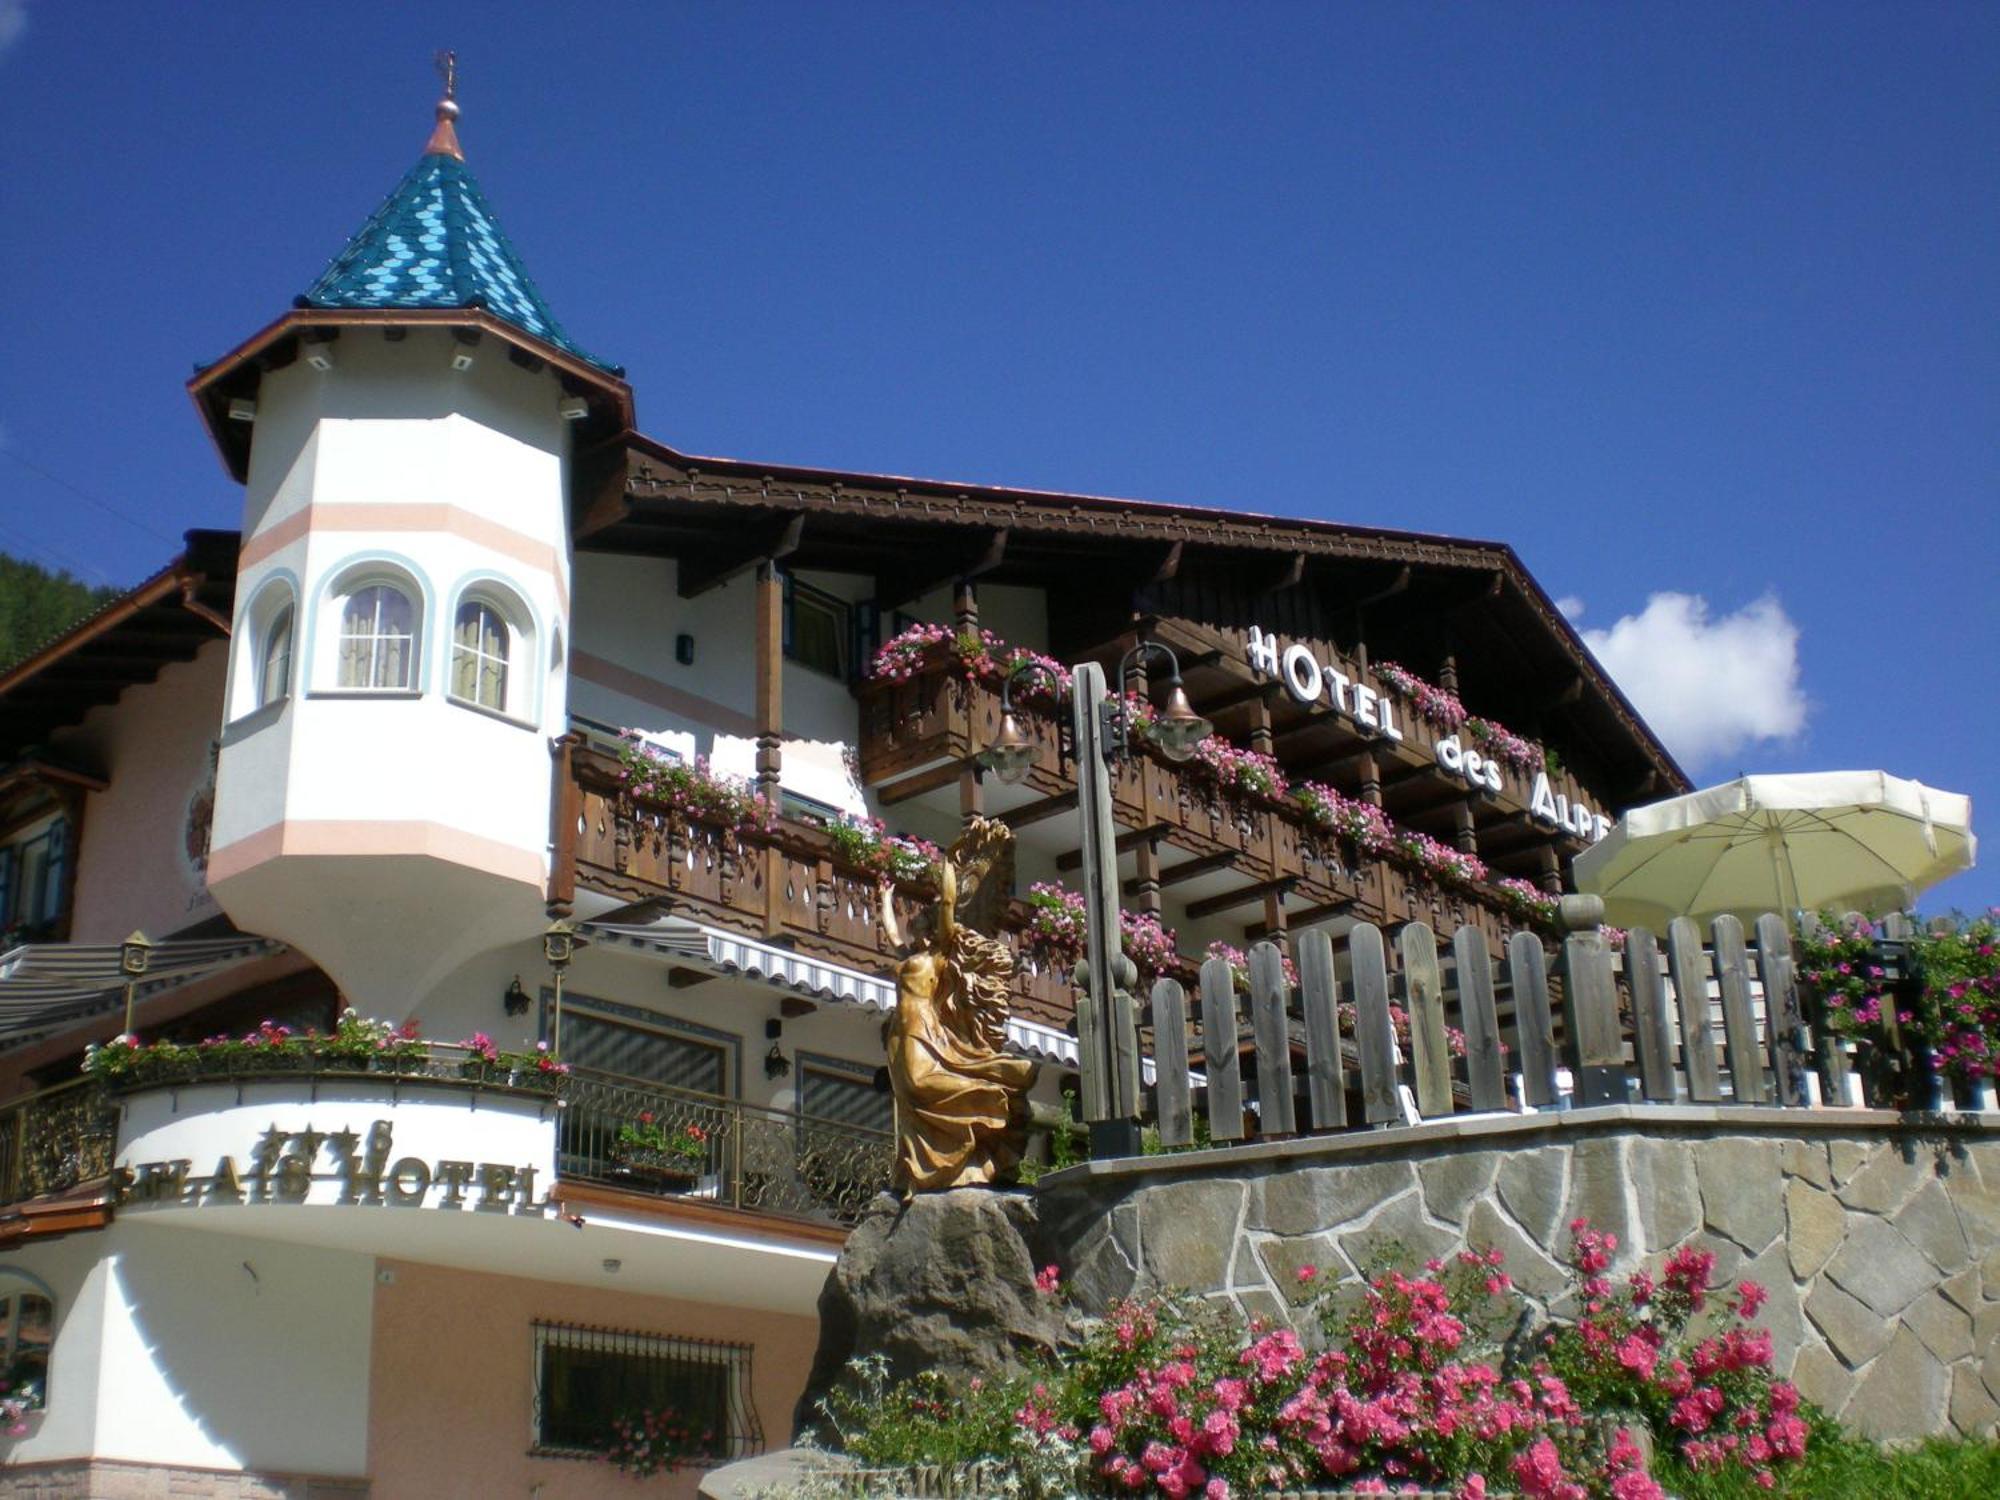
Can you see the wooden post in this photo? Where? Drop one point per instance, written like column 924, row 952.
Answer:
column 1687, row 966
column 1374, row 1038
column 1117, row 1035
column 1218, row 1049
column 768, row 596
column 1319, row 998
column 1172, row 1104
column 971, row 788
column 1275, row 1111
column 1649, row 1015
column 1739, row 1021
column 1534, row 1025
column 1782, row 1021
column 1485, row 1067
column 1551, row 875
column 1430, row 1055
column 1146, row 876
column 1260, row 725
column 1590, row 1009
column 566, row 807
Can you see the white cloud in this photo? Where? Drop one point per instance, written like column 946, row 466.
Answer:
column 13, row 21
column 1709, row 686
column 1571, row 607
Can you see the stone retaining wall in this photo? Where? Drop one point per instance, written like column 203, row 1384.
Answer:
column 1877, row 1235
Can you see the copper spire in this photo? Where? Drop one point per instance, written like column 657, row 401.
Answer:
column 444, row 137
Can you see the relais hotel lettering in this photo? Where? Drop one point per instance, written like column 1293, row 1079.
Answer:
column 1310, row 681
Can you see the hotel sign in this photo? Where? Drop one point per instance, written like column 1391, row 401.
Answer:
column 1312, row 682
column 284, row 1165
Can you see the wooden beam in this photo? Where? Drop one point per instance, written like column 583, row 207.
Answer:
column 929, row 571
column 1305, row 918
column 1193, row 869
column 916, row 784
column 1210, row 905
column 1034, row 812
column 1132, row 838
column 702, row 571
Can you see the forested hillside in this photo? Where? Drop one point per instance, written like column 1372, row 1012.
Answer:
column 37, row 605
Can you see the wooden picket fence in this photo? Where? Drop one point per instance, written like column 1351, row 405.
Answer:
column 1700, row 1022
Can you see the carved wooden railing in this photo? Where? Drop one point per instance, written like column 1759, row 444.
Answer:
column 940, row 718
column 787, row 885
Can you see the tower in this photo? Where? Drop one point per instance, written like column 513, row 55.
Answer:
column 409, row 440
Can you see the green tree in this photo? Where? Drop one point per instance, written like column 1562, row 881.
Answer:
column 37, row 605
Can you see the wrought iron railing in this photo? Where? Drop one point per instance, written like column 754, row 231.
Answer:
column 56, row 1139
column 770, row 1161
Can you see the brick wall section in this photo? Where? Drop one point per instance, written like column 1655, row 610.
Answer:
column 1877, row 1235
column 102, row 1479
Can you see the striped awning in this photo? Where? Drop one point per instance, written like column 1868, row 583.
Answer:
column 46, row 986
column 723, row 952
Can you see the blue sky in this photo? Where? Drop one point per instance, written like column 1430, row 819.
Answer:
column 1686, row 301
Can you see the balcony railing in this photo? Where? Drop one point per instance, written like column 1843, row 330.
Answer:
column 56, row 1139
column 788, row 885
column 940, row 718
column 743, row 1156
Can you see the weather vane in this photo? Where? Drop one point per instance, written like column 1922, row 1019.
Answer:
column 447, row 66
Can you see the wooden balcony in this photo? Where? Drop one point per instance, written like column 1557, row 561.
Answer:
column 916, row 735
column 786, row 886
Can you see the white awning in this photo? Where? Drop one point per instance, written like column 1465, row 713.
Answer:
column 45, row 986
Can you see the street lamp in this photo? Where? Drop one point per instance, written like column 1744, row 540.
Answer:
column 1175, row 730
column 1100, row 735
column 559, row 945
column 134, row 954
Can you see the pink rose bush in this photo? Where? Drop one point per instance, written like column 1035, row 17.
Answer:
column 1405, row 1384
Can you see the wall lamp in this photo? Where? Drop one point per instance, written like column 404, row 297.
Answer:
column 776, row 1064
column 515, row 1000
column 1175, row 730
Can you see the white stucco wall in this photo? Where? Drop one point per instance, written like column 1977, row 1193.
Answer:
column 157, row 742
column 209, row 1350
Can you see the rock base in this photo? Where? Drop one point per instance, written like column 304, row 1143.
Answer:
column 945, row 1282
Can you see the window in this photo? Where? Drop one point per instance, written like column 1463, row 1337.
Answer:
column 34, row 868
column 274, row 668
column 378, row 639
column 838, row 1093
column 649, row 1056
column 587, row 1380
column 819, row 629
column 27, row 1329
column 479, row 648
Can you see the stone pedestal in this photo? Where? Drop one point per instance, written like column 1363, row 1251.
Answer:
column 945, row 1282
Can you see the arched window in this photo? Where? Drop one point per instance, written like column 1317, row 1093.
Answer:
column 480, row 645
column 378, row 639
column 274, row 667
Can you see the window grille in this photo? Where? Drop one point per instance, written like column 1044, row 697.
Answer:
column 844, row 1095
column 588, row 1378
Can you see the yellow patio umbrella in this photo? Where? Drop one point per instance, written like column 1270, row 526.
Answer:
column 1861, row 840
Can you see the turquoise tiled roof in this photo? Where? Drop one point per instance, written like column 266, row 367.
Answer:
column 435, row 243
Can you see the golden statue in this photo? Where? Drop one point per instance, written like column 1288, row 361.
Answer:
column 961, row 1102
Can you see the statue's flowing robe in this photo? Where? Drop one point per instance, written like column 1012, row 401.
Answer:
column 959, row 1119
